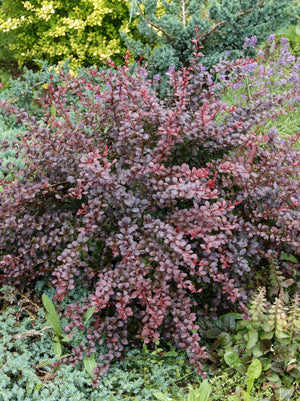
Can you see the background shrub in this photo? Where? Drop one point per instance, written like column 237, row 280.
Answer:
column 9, row 135
column 82, row 31
column 162, row 209
column 167, row 28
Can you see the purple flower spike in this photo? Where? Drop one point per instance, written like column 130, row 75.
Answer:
column 246, row 43
column 249, row 42
column 253, row 41
column 270, row 39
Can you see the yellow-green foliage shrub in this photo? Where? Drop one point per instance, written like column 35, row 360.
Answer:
column 56, row 30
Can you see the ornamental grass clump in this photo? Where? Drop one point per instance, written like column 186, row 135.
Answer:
column 163, row 209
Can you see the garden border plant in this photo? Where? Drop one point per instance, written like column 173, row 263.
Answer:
column 160, row 209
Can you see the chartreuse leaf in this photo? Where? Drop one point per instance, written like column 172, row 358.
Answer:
column 232, row 359
column 89, row 364
column 52, row 316
column 255, row 369
column 253, row 372
column 162, row 397
column 202, row 394
column 171, row 353
column 57, row 349
column 252, row 339
column 88, row 315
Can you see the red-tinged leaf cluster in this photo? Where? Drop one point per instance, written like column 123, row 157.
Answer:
column 162, row 209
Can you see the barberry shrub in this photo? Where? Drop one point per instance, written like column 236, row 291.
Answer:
column 161, row 208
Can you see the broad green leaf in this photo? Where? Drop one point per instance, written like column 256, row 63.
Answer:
column 204, row 391
column 281, row 334
column 232, row 359
column 282, row 352
column 162, row 397
column 257, row 351
column 229, row 322
column 52, row 315
column 266, row 328
column 57, row 349
column 274, row 377
column 213, row 332
column 247, row 396
column 224, row 339
column 252, row 339
column 233, row 398
column 241, row 369
column 170, row 353
column 255, row 369
column 277, row 367
column 295, row 373
column 65, row 339
column 289, row 258
column 88, row 315
column 89, row 364
column 191, row 395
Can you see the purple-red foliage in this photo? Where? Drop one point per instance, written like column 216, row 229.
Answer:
column 148, row 202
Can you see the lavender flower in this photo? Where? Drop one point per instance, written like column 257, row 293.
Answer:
column 260, row 53
column 249, row 42
column 246, row 43
column 270, row 39
column 294, row 77
column 253, row 41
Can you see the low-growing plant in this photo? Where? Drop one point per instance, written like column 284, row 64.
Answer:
column 159, row 208
column 269, row 342
column 26, row 353
column 277, row 59
column 200, row 394
column 60, row 338
column 10, row 134
column 292, row 33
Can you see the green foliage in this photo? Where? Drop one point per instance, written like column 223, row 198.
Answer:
column 268, row 342
column 89, row 362
column 201, row 394
column 292, row 33
column 26, row 353
column 168, row 27
column 271, row 60
column 82, row 31
column 8, row 133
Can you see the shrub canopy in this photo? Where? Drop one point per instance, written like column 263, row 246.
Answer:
column 83, row 30
column 161, row 209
